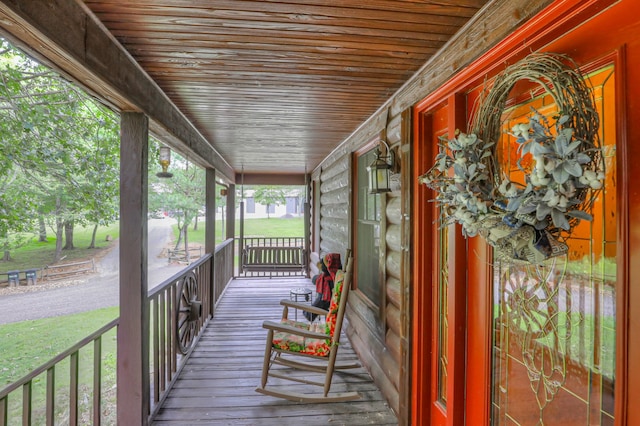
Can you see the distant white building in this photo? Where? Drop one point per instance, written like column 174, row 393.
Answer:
column 292, row 207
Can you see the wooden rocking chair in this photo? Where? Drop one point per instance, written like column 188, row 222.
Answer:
column 288, row 339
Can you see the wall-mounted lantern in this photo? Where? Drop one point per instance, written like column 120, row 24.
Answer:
column 165, row 160
column 379, row 171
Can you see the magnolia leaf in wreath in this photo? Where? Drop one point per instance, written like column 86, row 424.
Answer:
column 459, row 170
column 542, row 211
column 540, row 225
column 527, row 208
column 579, row 214
column 560, row 175
column 572, row 167
column 563, row 119
column 537, row 149
column 539, row 132
column 572, row 146
column 582, row 158
column 559, row 220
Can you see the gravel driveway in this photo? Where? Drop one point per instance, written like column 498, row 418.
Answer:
column 90, row 292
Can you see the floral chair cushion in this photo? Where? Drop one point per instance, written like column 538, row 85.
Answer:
column 318, row 347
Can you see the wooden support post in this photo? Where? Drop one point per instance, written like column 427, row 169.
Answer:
column 307, row 224
column 133, row 330
column 210, row 230
column 231, row 211
column 210, row 212
column 231, row 216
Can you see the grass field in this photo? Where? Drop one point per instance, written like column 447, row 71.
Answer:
column 274, row 227
column 37, row 255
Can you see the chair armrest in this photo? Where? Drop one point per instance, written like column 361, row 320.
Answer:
column 276, row 326
column 303, row 306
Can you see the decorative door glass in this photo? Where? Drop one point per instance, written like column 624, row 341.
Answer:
column 554, row 325
column 443, row 324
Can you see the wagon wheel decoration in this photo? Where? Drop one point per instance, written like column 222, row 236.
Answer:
column 188, row 312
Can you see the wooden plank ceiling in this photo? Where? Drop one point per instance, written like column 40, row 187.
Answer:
column 275, row 86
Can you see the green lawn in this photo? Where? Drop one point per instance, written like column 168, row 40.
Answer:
column 37, row 255
column 26, row 345
column 274, row 227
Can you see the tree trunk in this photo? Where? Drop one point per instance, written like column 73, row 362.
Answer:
column 180, row 231
column 93, row 237
column 7, row 256
column 59, row 229
column 43, row 229
column 195, row 224
column 68, row 234
column 186, row 242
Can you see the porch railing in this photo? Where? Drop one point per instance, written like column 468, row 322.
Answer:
column 54, row 393
column 179, row 309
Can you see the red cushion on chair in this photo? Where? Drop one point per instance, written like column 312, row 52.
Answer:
column 295, row 343
column 335, row 303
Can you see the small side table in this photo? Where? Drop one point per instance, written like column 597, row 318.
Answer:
column 299, row 294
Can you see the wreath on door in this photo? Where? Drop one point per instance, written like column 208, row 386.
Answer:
column 525, row 221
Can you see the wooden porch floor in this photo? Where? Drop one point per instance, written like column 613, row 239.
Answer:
column 217, row 385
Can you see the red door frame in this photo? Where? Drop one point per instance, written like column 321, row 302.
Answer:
column 550, row 24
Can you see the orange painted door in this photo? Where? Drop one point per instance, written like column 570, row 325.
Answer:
column 443, row 287
column 553, row 342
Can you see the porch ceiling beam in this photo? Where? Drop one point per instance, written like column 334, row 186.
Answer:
column 270, row 179
column 66, row 36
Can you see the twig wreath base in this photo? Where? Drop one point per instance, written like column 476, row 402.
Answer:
column 525, row 222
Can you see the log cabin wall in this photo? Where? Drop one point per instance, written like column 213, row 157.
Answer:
column 379, row 335
column 334, row 206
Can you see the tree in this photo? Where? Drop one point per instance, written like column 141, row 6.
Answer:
column 16, row 215
column 62, row 141
column 184, row 194
column 269, row 195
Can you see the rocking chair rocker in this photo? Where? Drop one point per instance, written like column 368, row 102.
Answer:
column 288, row 339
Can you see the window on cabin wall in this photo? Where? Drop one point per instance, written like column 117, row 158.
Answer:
column 554, row 325
column 292, row 205
column 251, row 205
column 367, row 276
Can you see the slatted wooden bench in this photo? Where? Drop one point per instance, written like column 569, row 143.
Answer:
column 273, row 259
column 68, row 270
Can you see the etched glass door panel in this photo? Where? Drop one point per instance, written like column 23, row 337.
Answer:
column 554, row 335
